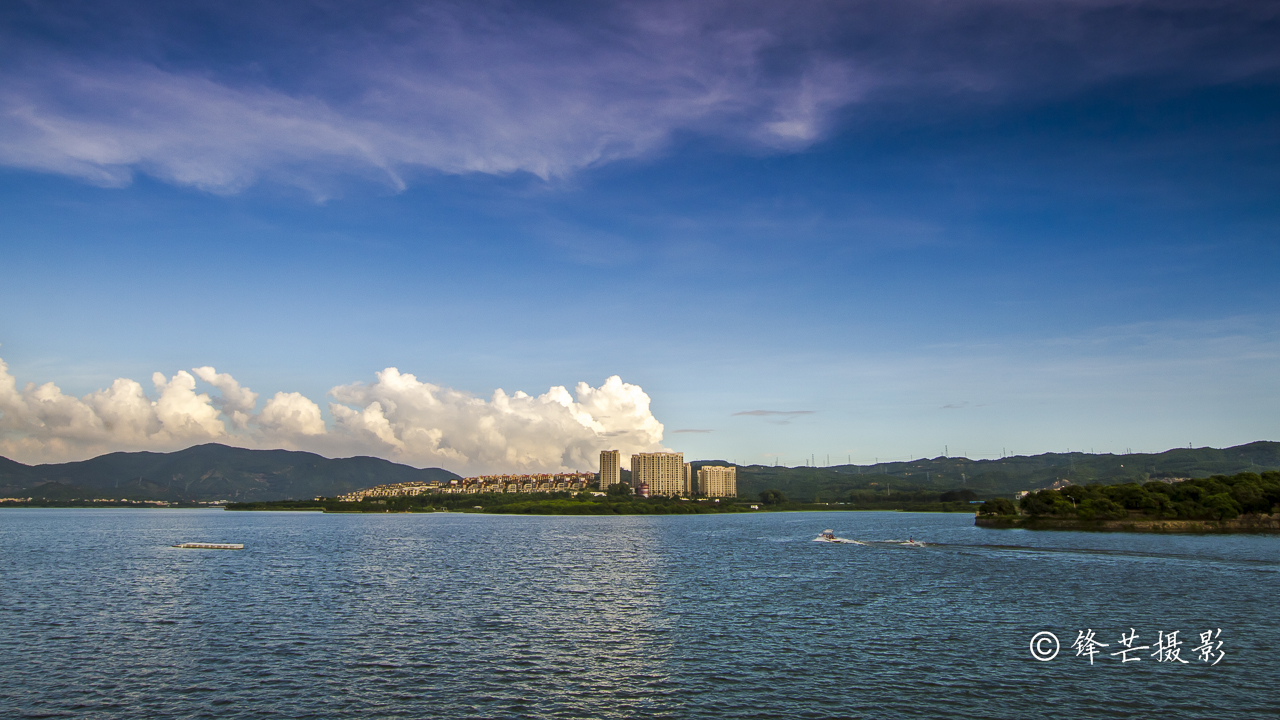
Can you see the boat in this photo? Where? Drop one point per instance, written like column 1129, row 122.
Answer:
column 829, row 536
column 210, row 546
column 911, row 542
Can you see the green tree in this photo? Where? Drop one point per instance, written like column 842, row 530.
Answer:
column 998, row 506
column 1101, row 508
column 619, row 489
column 1250, row 498
column 1221, row 506
column 1047, row 502
column 772, row 497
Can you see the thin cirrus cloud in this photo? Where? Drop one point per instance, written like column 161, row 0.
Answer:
column 398, row 417
column 775, row 417
column 302, row 93
column 546, row 98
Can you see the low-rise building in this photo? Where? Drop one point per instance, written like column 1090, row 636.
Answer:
column 547, row 482
column 404, row 489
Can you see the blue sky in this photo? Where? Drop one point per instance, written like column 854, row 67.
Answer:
column 867, row 230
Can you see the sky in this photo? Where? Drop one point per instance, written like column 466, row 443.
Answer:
column 502, row 236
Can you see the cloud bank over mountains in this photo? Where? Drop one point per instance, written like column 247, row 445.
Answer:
column 397, row 417
column 219, row 96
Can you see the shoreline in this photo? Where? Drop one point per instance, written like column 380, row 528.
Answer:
column 386, row 511
column 1247, row 524
column 598, row 512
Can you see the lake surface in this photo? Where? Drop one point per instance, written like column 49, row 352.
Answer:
column 737, row 616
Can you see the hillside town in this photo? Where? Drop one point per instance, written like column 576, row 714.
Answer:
column 540, row 483
column 661, row 473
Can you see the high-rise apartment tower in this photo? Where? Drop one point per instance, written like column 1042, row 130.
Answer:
column 718, row 481
column 665, row 473
column 609, row 470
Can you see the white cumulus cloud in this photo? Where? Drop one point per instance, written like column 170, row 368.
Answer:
column 428, row 424
column 398, row 417
column 41, row 423
column 236, row 402
column 291, row 414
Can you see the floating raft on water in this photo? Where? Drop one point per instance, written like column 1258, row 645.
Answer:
column 211, row 546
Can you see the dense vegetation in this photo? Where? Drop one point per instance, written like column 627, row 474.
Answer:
column 615, row 502
column 913, row 501
column 1219, row 497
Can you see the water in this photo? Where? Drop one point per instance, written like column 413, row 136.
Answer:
column 738, row 616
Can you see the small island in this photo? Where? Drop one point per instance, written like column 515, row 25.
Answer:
column 1242, row 503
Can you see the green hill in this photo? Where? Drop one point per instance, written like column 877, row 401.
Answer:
column 217, row 472
column 1004, row 476
column 206, row 472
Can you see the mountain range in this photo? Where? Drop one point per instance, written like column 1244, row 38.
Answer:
column 218, row 472
column 206, row 472
column 1005, row 476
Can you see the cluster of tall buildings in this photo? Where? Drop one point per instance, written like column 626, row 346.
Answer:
column 659, row 473
column 666, row 473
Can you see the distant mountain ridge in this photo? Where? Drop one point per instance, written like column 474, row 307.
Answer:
column 218, row 472
column 1004, row 476
column 207, row 472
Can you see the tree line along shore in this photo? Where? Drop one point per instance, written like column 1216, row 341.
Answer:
column 616, row 502
column 1243, row 502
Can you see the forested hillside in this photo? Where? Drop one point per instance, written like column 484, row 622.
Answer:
column 1003, row 476
column 206, row 472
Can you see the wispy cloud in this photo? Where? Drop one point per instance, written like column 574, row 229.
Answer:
column 413, row 88
column 479, row 90
column 690, row 430
column 766, row 413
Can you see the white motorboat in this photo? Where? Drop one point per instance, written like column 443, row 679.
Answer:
column 210, row 546
column 829, row 536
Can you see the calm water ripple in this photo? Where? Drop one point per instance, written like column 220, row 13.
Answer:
column 460, row 616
